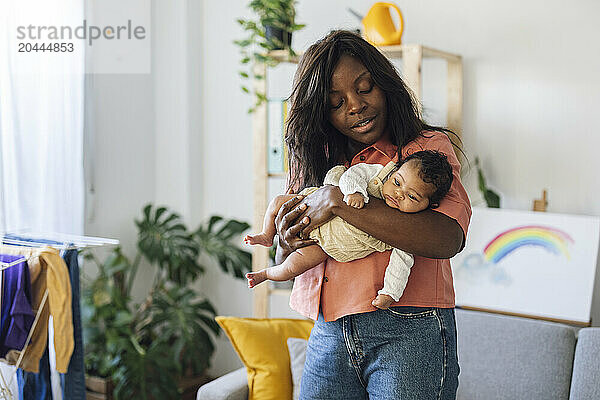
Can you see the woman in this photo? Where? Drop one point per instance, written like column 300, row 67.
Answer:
column 348, row 106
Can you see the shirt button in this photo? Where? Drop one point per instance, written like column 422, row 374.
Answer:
column 376, row 181
column 361, row 158
column 325, row 279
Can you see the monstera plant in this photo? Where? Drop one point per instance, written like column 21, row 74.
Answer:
column 147, row 349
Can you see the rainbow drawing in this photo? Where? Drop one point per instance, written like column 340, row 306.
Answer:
column 551, row 239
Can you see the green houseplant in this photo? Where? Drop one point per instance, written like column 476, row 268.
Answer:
column 147, row 348
column 491, row 198
column 271, row 31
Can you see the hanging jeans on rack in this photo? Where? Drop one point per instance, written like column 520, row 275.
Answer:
column 38, row 386
column 73, row 382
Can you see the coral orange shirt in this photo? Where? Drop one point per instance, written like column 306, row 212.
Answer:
column 341, row 289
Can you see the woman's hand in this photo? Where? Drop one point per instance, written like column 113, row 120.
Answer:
column 321, row 205
column 289, row 226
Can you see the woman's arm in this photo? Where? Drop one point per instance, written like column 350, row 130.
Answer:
column 427, row 233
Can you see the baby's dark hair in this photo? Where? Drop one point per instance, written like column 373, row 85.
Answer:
column 434, row 169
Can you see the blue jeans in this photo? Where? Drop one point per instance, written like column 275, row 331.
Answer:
column 400, row 353
column 73, row 382
column 34, row 386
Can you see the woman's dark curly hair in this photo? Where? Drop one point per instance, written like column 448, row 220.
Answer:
column 314, row 145
column 434, row 169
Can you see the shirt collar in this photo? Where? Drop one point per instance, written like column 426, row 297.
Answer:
column 383, row 146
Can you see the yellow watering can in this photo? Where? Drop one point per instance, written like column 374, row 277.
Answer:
column 379, row 26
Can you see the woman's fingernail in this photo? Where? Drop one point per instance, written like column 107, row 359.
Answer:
column 299, row 197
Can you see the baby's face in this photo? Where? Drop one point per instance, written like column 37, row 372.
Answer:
column 406, row 191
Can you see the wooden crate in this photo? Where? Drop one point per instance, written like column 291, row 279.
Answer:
column 101, row 389
column 98, row 388
column 189, row 386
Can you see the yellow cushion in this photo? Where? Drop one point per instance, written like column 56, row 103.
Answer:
column 262, row 347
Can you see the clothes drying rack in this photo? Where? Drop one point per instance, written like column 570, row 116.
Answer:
column 70, row 242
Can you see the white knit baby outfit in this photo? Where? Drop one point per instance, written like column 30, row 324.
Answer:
column 368, row 179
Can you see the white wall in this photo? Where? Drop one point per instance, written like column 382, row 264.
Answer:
column 182, row 135
column 145, row 132
column 123, row 155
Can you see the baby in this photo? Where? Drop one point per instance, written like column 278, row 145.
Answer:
column 420, row 181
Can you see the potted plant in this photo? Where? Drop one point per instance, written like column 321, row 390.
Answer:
column 149, row 350
column 272, row 31
column 491, row 198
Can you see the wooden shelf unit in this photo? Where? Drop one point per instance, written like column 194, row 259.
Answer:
column 412, row 60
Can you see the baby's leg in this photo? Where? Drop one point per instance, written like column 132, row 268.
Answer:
column 297, row 263
column 265, row 238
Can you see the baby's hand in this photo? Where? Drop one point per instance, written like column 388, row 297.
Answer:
column 355, row 200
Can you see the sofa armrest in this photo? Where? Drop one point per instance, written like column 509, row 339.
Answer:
column 586, row 368
column 232, row 386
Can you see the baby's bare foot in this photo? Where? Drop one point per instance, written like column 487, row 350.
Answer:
column 254, row 278
column 261, row 239
column 382, row 301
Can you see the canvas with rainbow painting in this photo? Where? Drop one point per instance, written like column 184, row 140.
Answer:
column 531, row 263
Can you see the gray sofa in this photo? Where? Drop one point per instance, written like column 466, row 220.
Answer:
column 501, row 357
